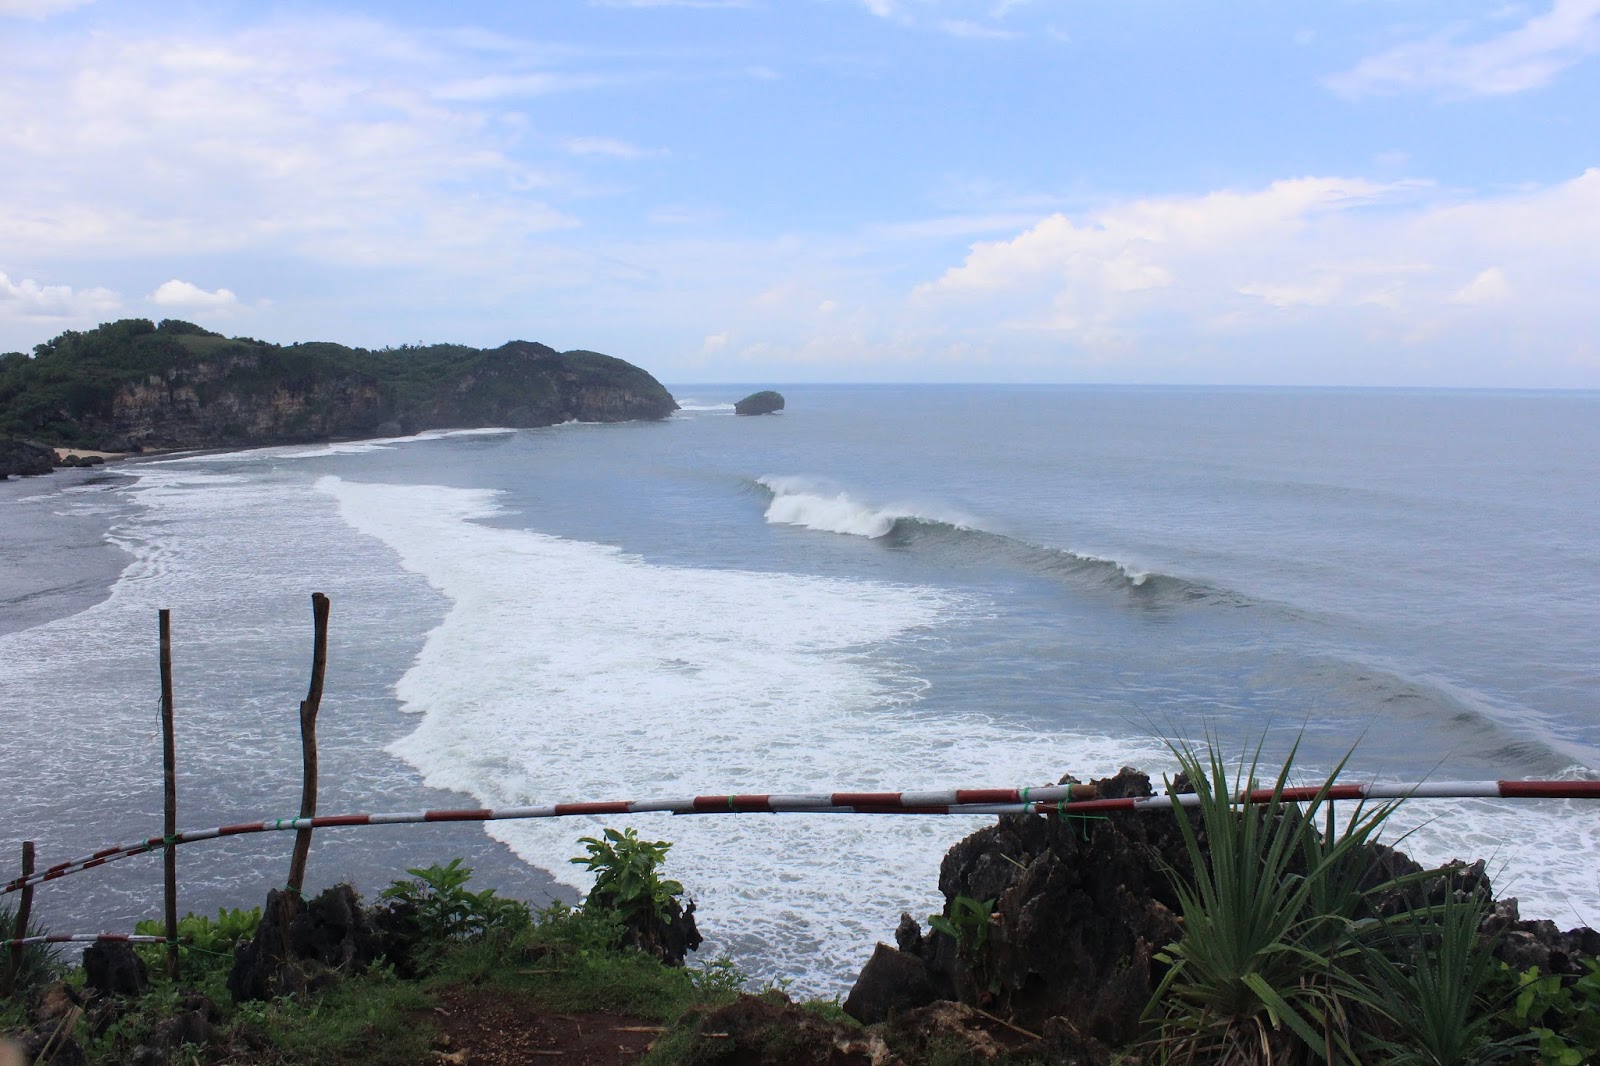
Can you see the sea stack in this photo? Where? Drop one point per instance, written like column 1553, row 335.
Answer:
column 759, row 403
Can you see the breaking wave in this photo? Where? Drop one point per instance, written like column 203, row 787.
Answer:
column 813, row 504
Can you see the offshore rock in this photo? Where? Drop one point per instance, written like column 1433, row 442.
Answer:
column 765, row 402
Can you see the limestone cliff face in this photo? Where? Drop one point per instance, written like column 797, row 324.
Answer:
column 131, row 385
column 224, row 402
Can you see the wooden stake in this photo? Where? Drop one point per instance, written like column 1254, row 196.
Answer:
column 169, row 759
column 24, row 906
column 308, row 741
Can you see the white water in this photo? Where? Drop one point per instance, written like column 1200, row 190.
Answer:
column 813, row 504
column 567, row 670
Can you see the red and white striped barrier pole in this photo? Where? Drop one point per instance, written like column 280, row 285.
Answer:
column 85, row 938
column 1066, row 800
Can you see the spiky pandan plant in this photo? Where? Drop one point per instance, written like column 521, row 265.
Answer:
column 39, row 962
column 1270, row 920
column 1430, row 977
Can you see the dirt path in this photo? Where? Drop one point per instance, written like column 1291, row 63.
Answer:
column 497, row 1028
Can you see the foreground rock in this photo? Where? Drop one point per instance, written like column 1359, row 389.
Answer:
column 1077, row 910
column 297, row 945
column 759, row 403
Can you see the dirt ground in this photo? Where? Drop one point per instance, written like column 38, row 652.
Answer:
column 491, row 1028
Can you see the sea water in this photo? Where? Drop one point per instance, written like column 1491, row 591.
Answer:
column 880, row 588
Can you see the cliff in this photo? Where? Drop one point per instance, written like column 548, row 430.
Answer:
column 132, row 385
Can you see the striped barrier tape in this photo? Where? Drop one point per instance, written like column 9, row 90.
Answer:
column 987, row 801
column 1051, row 799
column 83, row 938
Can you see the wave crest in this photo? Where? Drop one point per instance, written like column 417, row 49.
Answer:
column 812, row 503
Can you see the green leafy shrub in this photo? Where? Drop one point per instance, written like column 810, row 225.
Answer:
column 626, row 877
column 447, row 910
column 968, row 925
column 205, row 943
column 1561, row 1016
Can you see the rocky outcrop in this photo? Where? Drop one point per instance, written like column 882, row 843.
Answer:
column 765, row 402
column 769, row 1030
column 133, row 385
column 25, row 458
column 1059, row 921
column 113, row 968
column 1076, row 911
column 297, row 944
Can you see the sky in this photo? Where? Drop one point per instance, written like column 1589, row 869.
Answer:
column 1259, row 192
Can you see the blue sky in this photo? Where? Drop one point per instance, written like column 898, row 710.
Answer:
column 1347, row 192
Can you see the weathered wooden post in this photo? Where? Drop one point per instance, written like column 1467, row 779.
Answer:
column 24, row 906
column 169, row 759
column 308, row 741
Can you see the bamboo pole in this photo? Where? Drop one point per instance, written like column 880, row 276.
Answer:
column 169, row 759
column 24, row 906
column 308, row 741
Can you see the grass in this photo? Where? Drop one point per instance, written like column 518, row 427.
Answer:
column 568, row 960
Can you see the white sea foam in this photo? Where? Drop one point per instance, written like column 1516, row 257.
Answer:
column 323, row 450
column 235, row 559
column 567, row 670
column 814, row 504
column 1540, row 851
column 695, row 405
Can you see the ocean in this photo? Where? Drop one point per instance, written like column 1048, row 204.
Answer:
column 883, row 587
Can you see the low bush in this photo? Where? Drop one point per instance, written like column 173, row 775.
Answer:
column 206, row 944
column 446, row 910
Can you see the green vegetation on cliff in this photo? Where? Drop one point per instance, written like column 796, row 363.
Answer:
column 134, row 384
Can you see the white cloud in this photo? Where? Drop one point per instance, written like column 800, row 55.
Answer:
column 1527, row 57
column 610, row 146
column 177, row 293
column 510, row 86
column 976, row 30
column 26, row 299
column 968, row 19
column 340, row 140
column 1490, row 286
column 669, row 3
column 682, row 215
column 38, row 9
column 1326, row 257
column 1133, row 246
